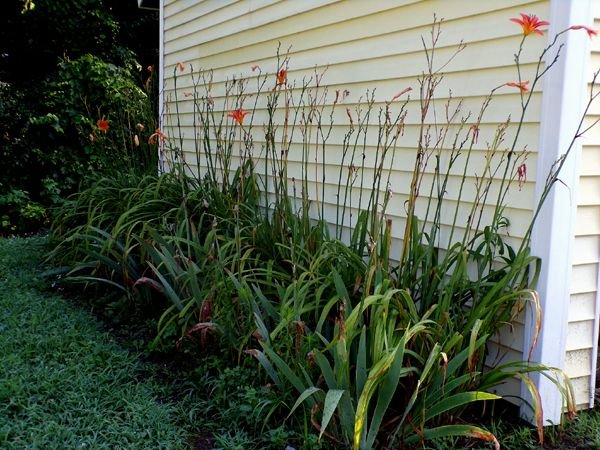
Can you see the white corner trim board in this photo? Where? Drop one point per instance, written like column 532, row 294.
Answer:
column 595, row 342
column 161, row 79
column 564, row 90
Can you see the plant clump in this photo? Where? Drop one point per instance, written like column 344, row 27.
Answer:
column 251, row 252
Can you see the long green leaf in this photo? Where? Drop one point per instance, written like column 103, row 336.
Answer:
column 332, row 398
column 457, row 400
column 312, row 390
column 445, row 431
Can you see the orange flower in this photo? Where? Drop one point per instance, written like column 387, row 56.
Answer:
column 156, row 135
column 102, row 125
column 238, row 115
column 522, row 85
column 281, row 77
column 187, row 94
column 181, row 66
column 590, row 31
column 530, row 24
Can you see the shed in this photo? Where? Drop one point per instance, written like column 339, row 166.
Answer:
column 377, row 44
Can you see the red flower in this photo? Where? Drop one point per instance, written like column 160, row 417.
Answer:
column 521, row 85
column 254, row 67
column 281, row 77
column 156, row 135
column 238, row 115
column 530, row 24
column 102, row 125
column 181, row 66
column 590, row 31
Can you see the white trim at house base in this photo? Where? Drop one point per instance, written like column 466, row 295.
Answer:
column 564, row 90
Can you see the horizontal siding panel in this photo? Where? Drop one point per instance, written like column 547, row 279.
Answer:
column 590, row 160
column 586, row 249
column 198, row 19
column 589, row 191
column 594, row 64
column 587, row 221
column 400, row 185
column 582, row 307
column 480, row 54
column 578, row 363
column 502, row 107
column 402, row 160
column 580, row 335
column 581, row 385
column 174, row 7
column 584, row 278
column 400, row 72
column 592, row 136
column 352, row 21
column 500, row 353
column 409, row 139
column 271, row 23
column 511, row 337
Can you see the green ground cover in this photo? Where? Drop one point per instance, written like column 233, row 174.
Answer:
column 63, row 382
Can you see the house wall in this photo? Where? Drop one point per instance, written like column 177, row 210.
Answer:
column 586, row 250
column 376, row 44
column 362, row 46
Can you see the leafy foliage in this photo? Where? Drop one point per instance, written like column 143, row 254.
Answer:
column 364, row 351
column 53, row 91
column 69, row 141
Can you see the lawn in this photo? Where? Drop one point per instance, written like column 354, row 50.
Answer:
column 63, row 382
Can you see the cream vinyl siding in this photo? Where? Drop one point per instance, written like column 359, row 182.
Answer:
column 365, row 45
column 586, row 250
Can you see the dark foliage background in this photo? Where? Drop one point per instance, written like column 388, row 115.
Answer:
column 63, row 66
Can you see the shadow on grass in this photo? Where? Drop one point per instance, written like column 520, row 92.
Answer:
column 64, row 383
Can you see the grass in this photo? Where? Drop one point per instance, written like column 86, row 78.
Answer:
column 582, row 433
column 64, row 383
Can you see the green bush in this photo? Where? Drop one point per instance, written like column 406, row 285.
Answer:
column 19, row 213
column 69, row 138
column 14, row 146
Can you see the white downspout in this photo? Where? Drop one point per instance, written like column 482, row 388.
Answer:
column 161, row 81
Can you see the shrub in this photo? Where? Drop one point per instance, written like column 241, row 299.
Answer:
column 20, row 213
column 94, row 109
